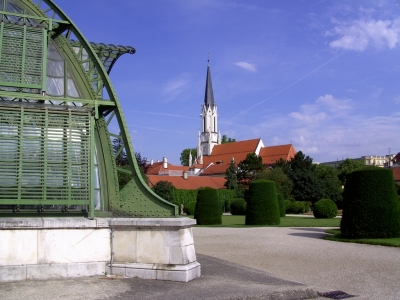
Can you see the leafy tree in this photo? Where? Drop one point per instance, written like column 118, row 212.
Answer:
column 231, row 176
column 185, row 155
column 164, row 189
column 348, row 166
column 283, row 164
column 330, row 181
column 121, row 159
column 249, row 168
column 301, row 162
column 141, row 161
column 284, row 184
column 226, row 140
column 306, row 186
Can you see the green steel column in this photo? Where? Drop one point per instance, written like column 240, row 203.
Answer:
column 92, row 184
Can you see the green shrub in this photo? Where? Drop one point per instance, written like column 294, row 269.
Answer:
column 370, row 205
column 291, row 199
column 262, row 203
column 208, row 209
column 295, row 207
column 281, row 205
column 325, row 209
column 238, row 206
column 189, row 208
column 306, row 206
column 288, row 206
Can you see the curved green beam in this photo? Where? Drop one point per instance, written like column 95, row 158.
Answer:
column 135, row 199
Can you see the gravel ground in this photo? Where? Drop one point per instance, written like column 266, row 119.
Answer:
column 299, row 254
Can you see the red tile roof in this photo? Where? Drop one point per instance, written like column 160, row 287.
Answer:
column 271, row 154
column 157, row 167
column 224, row 152
column 192, row 183
column 216, row 170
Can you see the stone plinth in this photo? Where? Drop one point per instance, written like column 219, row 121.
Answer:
column 41, row 248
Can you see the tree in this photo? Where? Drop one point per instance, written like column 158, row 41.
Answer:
column 306, row 184
column 330, row 181
column 185, row 155
column 347, row 166
column 231, row 176
column 226, row 140
column 283, row 183
column 117, row 145
column 283, row 164
column 141, row 161
column 249, row 168
column 164, row 189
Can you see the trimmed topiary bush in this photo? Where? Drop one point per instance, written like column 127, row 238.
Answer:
column 281, row 205
column 208, row 209
column 325, row 209
column 189, row 208
column 262, row 203
column 238, row 206
column 371, row 207
column 291, row 200
column 288, row 206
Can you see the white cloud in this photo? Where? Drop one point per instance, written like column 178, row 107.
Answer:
column 308, row 118
column 360, row 34
column 333, row 104
column 247, row 66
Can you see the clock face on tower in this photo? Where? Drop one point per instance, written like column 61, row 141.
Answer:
column 204, row 150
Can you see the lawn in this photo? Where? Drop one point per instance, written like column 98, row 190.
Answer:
column 392, row 242
column 238, row 221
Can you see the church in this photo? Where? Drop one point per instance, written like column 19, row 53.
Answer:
column 213, row 157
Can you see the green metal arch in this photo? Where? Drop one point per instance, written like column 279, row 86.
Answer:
column 135, row 199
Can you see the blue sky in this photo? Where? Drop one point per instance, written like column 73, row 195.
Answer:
column 323, row 75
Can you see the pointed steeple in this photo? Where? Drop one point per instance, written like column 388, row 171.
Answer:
column 209, row 95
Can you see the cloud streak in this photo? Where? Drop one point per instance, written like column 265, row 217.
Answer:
column 247, row 66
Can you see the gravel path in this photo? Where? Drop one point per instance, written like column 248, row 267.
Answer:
column 299, row 254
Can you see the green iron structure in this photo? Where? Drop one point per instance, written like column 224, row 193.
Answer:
column 59, row 115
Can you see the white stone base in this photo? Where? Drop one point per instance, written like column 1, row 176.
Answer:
column 47, row 271
column 182, row 273
column 43, row 248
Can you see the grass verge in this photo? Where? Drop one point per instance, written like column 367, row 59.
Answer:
column 238, row 221
column 336, row 236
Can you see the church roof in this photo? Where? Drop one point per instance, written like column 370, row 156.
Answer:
column 192, row 183
column 209, row 94
column 273, row 153
column 238, row 150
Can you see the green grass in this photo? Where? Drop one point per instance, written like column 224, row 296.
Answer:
column 238, row 221
column 336, row 236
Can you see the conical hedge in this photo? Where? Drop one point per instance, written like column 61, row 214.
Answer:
column 262, row 203
column 281, row 203
column 371, row 207
column 208, row 210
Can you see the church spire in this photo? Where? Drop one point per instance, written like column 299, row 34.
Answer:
column 209, row 95
column 209, row 124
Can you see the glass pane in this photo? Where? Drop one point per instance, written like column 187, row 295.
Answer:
column 55, row 86
column 72, row 91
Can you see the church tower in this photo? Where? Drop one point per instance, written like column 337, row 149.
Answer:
column 209, row 136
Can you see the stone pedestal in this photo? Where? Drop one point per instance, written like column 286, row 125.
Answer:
column 41, row 248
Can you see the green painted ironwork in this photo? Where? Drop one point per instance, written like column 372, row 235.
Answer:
column 57, row 108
